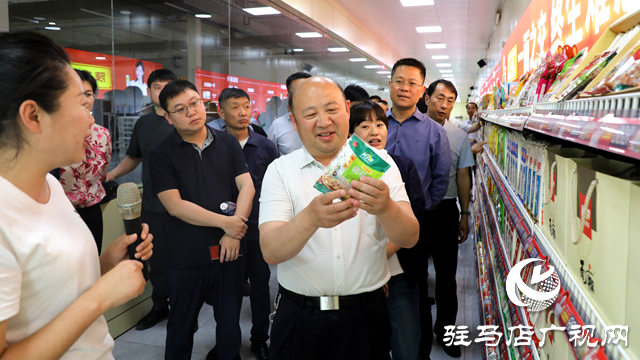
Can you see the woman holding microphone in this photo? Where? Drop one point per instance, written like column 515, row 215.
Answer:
column 54, row 288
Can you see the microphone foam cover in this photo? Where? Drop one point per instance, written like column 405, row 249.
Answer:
column 128, row 194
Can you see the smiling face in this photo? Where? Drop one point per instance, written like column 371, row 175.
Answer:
column 236, row 113
column 405, row 88
column 189, row 121
column 472, row 109
column 321, row 117
column 140, row 73
column 440, row 103
column 374, row 132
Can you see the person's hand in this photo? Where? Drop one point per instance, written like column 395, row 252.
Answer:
column 477, row 148
column 235, row 226
column 463, row 229
column 229, row 248
column 373, row 194
column 109, row 177
column 121, row 284
column 326, row 214
column 117, row 252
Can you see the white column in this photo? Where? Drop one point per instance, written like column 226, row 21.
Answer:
column 194, row 50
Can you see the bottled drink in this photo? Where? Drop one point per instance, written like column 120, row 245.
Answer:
column 228, row 208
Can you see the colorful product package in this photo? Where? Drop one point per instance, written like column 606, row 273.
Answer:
column 625, row 75
column 355, row 159
column 592, row 70
column 562, row 78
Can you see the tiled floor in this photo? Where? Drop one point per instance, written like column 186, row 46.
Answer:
column 149, row 344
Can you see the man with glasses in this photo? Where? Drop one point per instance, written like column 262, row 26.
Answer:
column 195, row 170
column 415, row 136
column 149, row 131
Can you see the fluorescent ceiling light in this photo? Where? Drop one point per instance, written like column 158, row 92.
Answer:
column 311, row 34
column 440, row 57
column 408, row 3
column 125, row 12
column 338, row 49
column 258, row 11
column 428, row 29
column 51, row 23
column 389, row 76
column 51, row 28
column 298, row 50
column 357, row 59
column 39, row 18
column 446, row 71
column 101, row 58
column 443, row 65
column 447, row 75
column 435, row 46
column 372, row 66
column 203, row 16
column 384, row 72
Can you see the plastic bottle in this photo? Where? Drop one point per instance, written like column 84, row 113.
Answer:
column 228, row 208
column 128, row 80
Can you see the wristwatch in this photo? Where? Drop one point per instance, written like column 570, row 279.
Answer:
column 465, row 212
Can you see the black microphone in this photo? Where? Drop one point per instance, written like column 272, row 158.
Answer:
column 130, row 206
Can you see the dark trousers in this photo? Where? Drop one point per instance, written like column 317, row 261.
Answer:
column 159, row 262
column 303, row 332
column 187, row 290
column 441, row 223
column 92, row 216
column 259, row 275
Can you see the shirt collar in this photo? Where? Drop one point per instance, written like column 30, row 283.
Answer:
column 416, row 115
column 179, row 140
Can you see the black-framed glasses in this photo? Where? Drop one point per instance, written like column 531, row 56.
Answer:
column 183, row 110
column 400, row 83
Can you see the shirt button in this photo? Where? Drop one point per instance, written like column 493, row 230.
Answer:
column 338, row 257
column 335, row 229
column 397, row 141
column 340, row 287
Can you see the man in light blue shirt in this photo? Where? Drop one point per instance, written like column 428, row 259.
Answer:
column 281, row 131
column 417, row 137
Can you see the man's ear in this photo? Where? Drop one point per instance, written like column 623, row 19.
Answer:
column 221, row 112
column 29, row 113
column 168, row 117
column 293, row 121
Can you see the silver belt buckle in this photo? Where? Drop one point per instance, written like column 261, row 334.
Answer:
column 329, row 303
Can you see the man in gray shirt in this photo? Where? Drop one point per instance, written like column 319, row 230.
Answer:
column 282, row 132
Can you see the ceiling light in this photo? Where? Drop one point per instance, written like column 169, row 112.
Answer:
column 203, row 16
column 51, row 23
column 357, row 59
column 435, row 46
column 408, row 3
column 258, row 11
column 384, row 72
column 372, row 66
column 298, row 50
column 428, row 29
column 440, row 57
column 101, row 58
column 125, row 12
column 443, row 65
column 389, row 76
column 338, row 49
column 446, row 71
column 311, row 34
column 39, row 18
column 51, row 28
column 447, row 75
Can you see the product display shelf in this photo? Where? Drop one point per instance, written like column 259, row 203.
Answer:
column 492, row 276
column 482, row 313
column 583, row 306
column 511, row 118
column 492, row 217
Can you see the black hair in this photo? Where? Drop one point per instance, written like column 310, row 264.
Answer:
column 422, row 105
column 32, row 67
column 296, row 76
column 410, row 62
column 362, row 112
column 383, row 101
column 231, row 93
column 375, row 98
column 448, row 84
column 294, row 92
column 86, row 76
column 161, row 75
column 139, row 63
column 174, row 89
column 355, row 93
column 472, row 103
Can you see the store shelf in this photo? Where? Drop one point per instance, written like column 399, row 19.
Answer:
column 511, row 118
column 585, row 309
column 482, row 313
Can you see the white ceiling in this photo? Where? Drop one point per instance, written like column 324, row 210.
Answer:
column 467, row 26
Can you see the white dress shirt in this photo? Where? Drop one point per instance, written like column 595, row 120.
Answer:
column 284, row 135
column 347, row 259
column 461, row 156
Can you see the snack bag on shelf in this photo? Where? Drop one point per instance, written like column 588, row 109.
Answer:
column 356, row 159
column 530, row 96
column 515, row 99
column 546, row 74
column 625, row 75
column 592, row 70
column 522, row 167
column 562, row 78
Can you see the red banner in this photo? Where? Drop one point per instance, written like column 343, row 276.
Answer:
column 549, row 23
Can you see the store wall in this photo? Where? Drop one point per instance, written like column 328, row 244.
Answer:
column 459, row 111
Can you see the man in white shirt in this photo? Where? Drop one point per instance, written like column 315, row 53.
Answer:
column 450, row 228
column 471, row 124
column 282, row 132
column 331, row 256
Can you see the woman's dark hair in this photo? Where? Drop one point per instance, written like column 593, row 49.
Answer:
column 86, row 76
column 362, row 112
column 31, row 68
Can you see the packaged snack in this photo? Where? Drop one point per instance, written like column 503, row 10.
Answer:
column 562, row 78
column 592, row 70
column 355, row 159
column 625, row 75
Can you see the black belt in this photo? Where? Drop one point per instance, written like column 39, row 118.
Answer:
column 335, row 302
